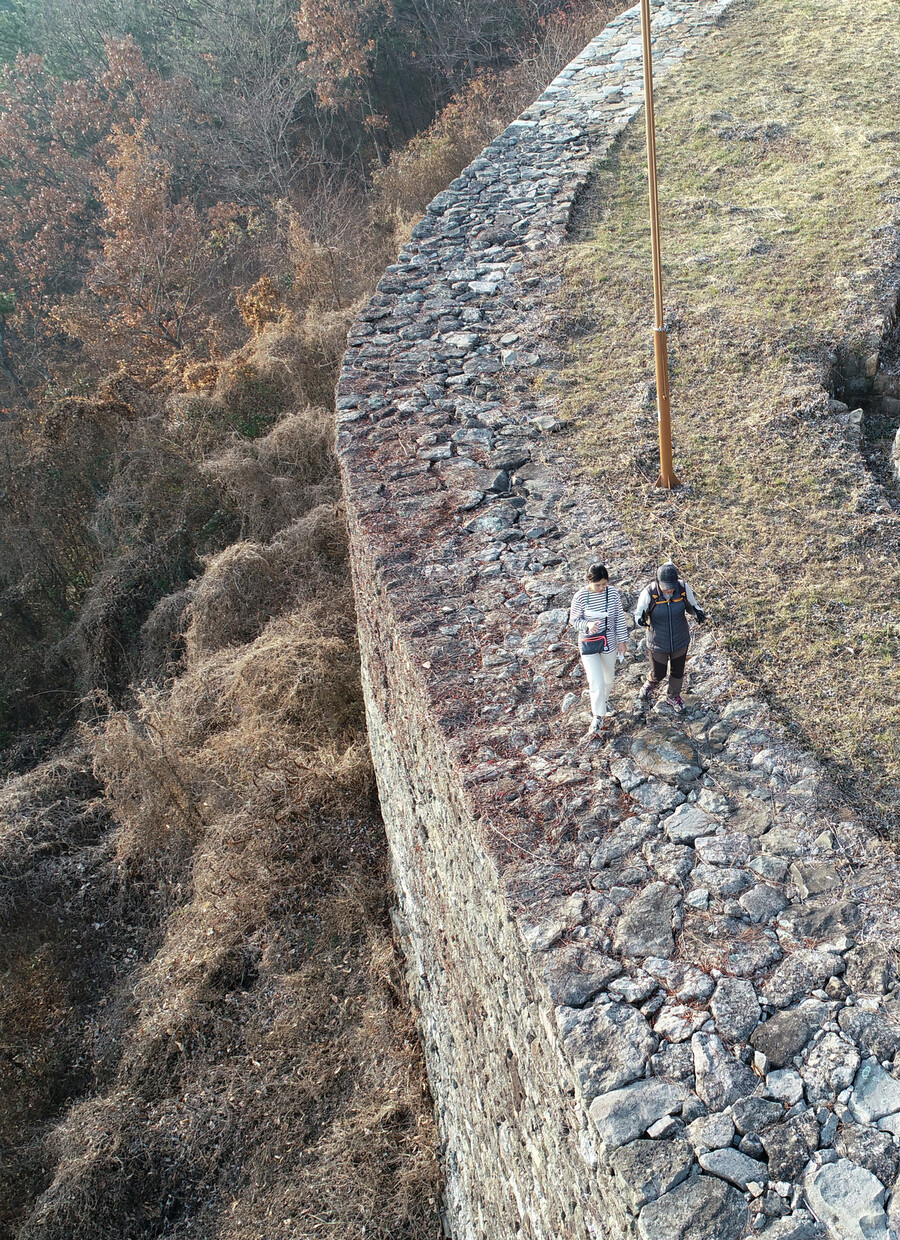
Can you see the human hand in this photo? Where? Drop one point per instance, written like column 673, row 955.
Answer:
column 623, row 646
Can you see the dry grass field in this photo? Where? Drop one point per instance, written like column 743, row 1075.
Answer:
column 779, row 166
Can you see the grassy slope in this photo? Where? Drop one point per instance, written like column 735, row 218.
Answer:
column 779, row 157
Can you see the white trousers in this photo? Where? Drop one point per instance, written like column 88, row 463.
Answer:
column 600, row 670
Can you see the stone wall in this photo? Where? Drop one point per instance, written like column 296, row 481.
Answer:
column 654, row 977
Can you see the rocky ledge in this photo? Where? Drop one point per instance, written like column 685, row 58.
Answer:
column 713, row 932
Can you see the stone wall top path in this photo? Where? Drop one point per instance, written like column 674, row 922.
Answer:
column 715, row 931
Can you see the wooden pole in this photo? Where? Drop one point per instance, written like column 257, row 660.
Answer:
column 666, row 477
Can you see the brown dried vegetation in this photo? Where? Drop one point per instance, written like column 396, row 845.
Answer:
column 220, row 1046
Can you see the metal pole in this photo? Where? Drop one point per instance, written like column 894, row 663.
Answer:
column 666, row 477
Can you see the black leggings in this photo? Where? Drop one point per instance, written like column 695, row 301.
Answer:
column 661, row 663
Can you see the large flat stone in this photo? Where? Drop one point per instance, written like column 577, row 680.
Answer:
column 755, row 1114
column 814, row 879
column 786, row 1085
column 624, row 841
column 781, row 842
column 830, row 1068
column 700, row 1209
column 797, row 1226
column 735, row 1009
column 688, row 824
column 672, row 862
column 625, row 1114
column 729, row 849
column 668, row 754
column 644, row 1170
column 869, row 1148
column 875, row 1093
column 721, row 880
column 751, row 955
column 873, row 1033
column 849, row 1200
column 721, row 1080
column 610, row 1044
column 645, row 927
column 711, row 1132
column 737, row 1168
column 763, row 902
column 798, row 974
column 821, row 923
column 789, row 1145
column 870, row 969
column 783, row 1036
column 574, row 974
column 656, row 796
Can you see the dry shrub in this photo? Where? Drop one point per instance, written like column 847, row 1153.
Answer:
column 251, row 392
column 324, row 342
column 558, row 40
column 200, row 376
column 271, row 481
column 162, row 636
column 52, row 811
column 303, row 670
column 147, row 787
column 335, row 259
column 104, row 640
column 428, row 163
column 270, row 1071
column 248, row 583
column 481, row 110
column 261, row 305
column 288, row 366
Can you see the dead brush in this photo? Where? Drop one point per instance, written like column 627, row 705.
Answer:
column 47, row 812
column 273, row 480
column 162, row 637
column 249, row 582
column 270, row 1069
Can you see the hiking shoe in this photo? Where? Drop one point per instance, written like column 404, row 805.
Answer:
column 648, row 690
column 676, row 703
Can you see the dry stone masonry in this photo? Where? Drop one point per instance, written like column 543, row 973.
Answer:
column 655, row 977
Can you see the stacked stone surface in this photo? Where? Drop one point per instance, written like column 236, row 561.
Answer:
column 652, row 991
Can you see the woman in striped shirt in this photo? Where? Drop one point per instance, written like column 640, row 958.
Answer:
column 597, row 616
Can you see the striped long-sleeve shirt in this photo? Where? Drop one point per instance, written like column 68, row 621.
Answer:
column 599, row 611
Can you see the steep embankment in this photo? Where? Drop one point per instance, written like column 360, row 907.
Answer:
column 204, row 1027
column 656, row 980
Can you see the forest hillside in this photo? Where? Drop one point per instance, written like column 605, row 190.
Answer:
column 203, row 1027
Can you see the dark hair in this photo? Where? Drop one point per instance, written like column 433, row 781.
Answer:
column 597, row 572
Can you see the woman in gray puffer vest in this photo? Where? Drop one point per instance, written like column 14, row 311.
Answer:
column 663, row 609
